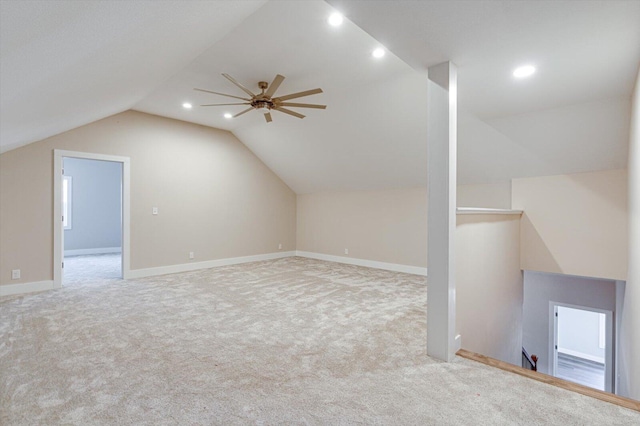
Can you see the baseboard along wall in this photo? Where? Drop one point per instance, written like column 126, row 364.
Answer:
column 20, row 288
column 88, row 251
column 395, row 267
column 185, row 267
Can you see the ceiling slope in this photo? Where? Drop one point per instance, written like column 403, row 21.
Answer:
column 370, row 136
column 67, row 63
column 583, row 50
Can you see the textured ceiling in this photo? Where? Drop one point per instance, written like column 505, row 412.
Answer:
column 64, row 64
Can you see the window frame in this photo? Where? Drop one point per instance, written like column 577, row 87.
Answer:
column 67, row 205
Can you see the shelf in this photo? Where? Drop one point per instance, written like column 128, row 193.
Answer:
column 478, row 210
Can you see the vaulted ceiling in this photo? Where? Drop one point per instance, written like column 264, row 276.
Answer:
column 65, row 63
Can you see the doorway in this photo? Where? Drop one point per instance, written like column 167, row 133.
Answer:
column 91, row 217
column 92, row 220
column 582, row 346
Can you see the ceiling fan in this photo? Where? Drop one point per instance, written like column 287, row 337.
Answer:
column 265, row 100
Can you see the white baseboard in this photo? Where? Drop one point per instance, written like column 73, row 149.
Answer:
column 581, row 355
column 185, row 267
column 103, row 250
column 395, row 267
column 20, row 288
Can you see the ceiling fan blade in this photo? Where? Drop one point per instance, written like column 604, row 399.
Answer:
column 239, row 103
column 300, row 94
column 274, row 85
column 288, row 111
column 231, row 79
column 267, row 116
column 240, row 113
column 293, row 104
column 222, row 94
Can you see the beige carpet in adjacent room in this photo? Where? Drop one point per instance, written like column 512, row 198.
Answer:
column 289, row 341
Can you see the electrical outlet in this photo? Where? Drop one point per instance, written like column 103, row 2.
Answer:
column 192, row 255
column 280, row 246
column 154, row 210
column 15, row 274
column 346, row 251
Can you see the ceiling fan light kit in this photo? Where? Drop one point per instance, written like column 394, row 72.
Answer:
column 266, row 100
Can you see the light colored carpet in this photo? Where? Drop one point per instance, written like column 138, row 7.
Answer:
column 87, row 269
column 290, row 341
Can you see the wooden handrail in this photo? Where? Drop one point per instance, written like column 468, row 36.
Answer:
column 631, row 404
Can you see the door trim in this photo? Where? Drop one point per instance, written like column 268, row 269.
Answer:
column 58, row 232
column 609, row 378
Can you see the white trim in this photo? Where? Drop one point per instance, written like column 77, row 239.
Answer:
column 21, row 288
column 69, row 212
column 609, row 378
column 58, row 232
column 477, row 210
column 185, row 267
column 395, row 267
column 581, row 355
column 100, row 250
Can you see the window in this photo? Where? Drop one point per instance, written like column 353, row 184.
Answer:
column 601, row 334
column 66, row 201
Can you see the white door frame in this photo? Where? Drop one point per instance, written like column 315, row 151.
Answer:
column 609, row 379
column 58, row 232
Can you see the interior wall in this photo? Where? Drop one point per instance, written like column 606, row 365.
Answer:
column 490, row 195
column 630, row 332
column 489, row 285
column 574, row 224
column 541, row 288
column 579, row 333
column 96, row 207
column 385, row 226
column 214, row 196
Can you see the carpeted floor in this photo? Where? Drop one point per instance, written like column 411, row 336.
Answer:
column 289, row 341
column 91, row 268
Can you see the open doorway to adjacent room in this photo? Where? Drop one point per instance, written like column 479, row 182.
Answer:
column 92, row 219
column 583, row 346
column 91, row 193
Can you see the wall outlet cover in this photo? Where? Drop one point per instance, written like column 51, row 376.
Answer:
column 15, row 274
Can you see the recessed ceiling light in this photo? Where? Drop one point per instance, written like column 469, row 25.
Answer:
column 187, row 105
column 228, row 115
column 378, row 53
column 335, row 20
column 524, row 71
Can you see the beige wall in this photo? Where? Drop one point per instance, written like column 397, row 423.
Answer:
column 630, row 329
column 489, row 287
column 214, row 196
column 574, row 224
column 384, row 226
column 491, row 195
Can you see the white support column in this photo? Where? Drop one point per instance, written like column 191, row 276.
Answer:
column 441, row 193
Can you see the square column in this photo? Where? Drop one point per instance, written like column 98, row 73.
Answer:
column 441, row 216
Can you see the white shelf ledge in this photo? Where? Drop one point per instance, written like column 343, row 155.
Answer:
column 477, row 210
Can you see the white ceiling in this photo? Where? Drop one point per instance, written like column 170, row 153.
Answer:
column 68, row 63
column 65, row 64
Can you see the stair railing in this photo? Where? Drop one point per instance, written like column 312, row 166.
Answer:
column 530, row 362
